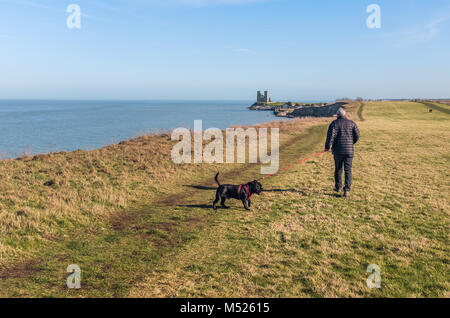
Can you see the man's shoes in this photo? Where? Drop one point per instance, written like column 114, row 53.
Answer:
column 337, row 189
column 346, row 194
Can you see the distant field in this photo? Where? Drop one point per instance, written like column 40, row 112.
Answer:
column 442, row 107
column 140, row 226
column 442, row 101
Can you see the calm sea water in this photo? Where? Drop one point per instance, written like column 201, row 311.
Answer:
column 40, row 126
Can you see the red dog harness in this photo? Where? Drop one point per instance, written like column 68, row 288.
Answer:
column 248, row 190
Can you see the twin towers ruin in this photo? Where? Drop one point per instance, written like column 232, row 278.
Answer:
column 263, row 98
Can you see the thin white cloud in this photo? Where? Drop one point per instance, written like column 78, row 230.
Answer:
column 424, row 33
column 245, row 51
column 106, row 6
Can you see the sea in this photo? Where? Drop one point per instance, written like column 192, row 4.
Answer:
column 42, row 126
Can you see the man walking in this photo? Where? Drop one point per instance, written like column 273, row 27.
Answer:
column 342, row 135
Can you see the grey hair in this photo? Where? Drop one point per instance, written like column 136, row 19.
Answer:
column 341, row 112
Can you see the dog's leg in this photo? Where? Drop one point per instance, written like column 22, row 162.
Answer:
column 222, row 203
column 244, row 201
column 216, row 201
column 249, row 203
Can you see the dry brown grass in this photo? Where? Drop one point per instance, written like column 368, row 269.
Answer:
column 308, row 243
column 44, row 197
column 142, row 226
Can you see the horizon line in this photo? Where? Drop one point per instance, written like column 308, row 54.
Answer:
column 212, row 99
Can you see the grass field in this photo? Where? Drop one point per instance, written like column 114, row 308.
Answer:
column 140, row 226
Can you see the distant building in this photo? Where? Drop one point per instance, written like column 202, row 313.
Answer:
column 263, row 98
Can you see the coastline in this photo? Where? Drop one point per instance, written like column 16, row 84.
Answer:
column 299, row 110
column 277, row 114
column 44, row 126
column 159, row 134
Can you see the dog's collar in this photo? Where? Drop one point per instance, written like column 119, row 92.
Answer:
column 248, row 190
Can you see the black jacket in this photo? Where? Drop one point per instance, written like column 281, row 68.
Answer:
column 342, row 135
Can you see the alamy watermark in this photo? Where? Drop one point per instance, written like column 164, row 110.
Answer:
column 74, row 19
column 374, row 280
column 235, row 143
column 74, row 279
column 374, row 19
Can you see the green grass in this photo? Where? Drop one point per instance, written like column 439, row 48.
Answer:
column 299, row 240
column 439, row 107
column 305, row 242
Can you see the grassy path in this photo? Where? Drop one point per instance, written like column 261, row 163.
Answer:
column 114, row 258
column 360, row 111
column 299, row 240
column 304, row 241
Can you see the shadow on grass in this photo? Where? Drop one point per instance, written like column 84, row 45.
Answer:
column 286, row 190
column 199, row 187
column 336, row 195
column 198, row 206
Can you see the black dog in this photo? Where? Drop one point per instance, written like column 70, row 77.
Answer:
column 239, row 192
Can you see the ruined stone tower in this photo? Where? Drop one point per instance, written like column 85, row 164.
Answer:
column 260, row 98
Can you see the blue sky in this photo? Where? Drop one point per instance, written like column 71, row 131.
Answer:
column 224, row 49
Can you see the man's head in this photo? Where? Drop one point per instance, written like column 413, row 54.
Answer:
column 341, row 112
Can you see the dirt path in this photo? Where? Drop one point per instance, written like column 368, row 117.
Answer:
column 303, row 240
column 360, row 111
column 116, row 258
column 198, row 200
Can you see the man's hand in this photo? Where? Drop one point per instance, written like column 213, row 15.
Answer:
column 326, row 150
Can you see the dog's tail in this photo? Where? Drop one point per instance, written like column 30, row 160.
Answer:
column 217, row 180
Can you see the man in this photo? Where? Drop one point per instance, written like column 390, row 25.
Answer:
column 342, row 135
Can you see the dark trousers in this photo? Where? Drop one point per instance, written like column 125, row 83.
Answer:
column 346, row 162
